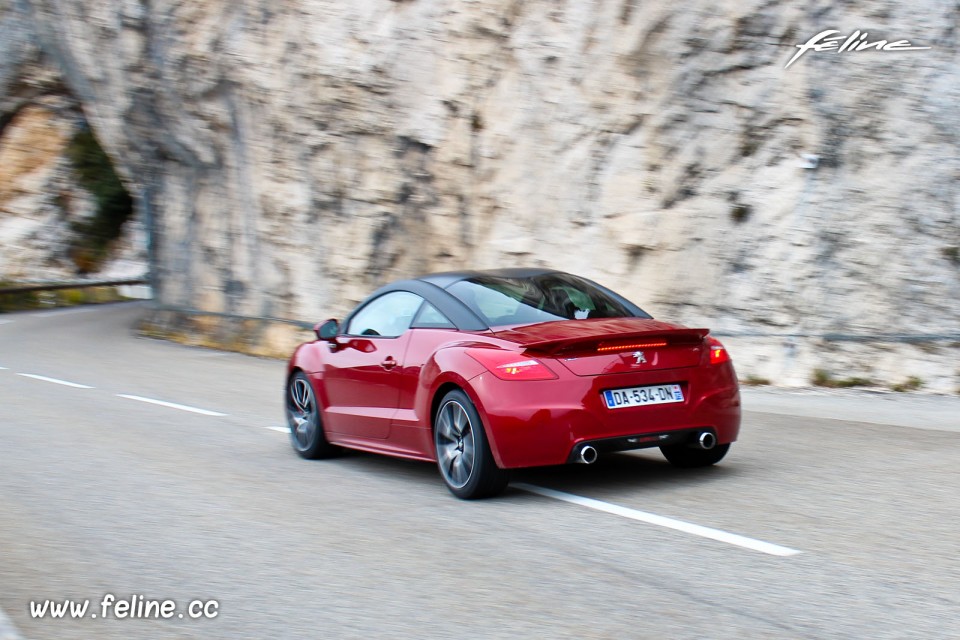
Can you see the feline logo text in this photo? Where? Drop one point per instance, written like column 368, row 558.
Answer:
column 856, row 41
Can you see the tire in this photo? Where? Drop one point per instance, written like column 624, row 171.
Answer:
column 463, row 454
column 686, row 457
column 303, row 417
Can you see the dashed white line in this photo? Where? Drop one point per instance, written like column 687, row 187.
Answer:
column 6, row 321
column 662, row 521
column 172, row 405
column 279, row 429
column 55, row 381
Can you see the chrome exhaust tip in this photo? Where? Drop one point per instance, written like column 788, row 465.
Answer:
column 588, row 455
column 706, row 440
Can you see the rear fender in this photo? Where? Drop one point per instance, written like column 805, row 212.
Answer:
column 448, row 368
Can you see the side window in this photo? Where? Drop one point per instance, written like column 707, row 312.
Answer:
column 431, row 318
column 387, row 316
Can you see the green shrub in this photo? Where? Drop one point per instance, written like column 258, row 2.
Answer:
column 823, row 378
column 95, row 174
column 910, row 384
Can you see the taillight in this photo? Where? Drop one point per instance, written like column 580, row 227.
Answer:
column 718, row 353
column 510, row 365
column 606, row 347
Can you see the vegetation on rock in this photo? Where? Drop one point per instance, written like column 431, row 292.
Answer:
column 96, row 174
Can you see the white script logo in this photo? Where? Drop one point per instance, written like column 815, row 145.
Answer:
column 856, row 41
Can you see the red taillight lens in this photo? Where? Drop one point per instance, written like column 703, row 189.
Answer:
column 510, row 365
column 718, row 353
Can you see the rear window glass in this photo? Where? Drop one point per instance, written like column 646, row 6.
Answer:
column 505, row 301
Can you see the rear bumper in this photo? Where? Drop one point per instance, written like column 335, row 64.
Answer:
column 640, row 441
column 545, row 422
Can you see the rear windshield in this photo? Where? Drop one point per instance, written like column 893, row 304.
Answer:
column 506, row 301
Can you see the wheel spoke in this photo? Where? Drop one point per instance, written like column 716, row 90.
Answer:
column 445, row 428
column 460, row 420
column 447, row 454
column 305, row 431
column 458, row 470
column 468, row 454
column 303, row 421
column 300, row 396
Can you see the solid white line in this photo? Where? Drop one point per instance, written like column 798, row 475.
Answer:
column 279, row 429
column 662, row 521
column 172, row 405
column 55, row 381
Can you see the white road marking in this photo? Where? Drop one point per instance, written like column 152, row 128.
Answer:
column 172, row 405
column 5, row 321
column 55, row 381
column 3, row 368
column 279, row 429
column 662, row 521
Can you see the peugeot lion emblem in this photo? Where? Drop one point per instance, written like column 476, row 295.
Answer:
column 641, row 359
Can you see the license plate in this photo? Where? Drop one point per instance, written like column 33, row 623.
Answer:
column 642, row 396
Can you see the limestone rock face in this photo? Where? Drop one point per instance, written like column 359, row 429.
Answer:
column 31, row 182
column 41, row 198
column 288, row 157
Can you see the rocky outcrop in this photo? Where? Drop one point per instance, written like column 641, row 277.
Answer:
column 44, row 204
column 287, row 158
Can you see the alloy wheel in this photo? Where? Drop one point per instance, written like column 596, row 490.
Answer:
column 456, row 445
column 301, row 407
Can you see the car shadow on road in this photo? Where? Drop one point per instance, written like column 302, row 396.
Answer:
column 627, row 472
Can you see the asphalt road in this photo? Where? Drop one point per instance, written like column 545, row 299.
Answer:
column 847, row 529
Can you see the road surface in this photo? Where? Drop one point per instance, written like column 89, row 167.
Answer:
column 136, row 468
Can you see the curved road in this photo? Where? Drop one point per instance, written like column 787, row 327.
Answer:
column 148, row 470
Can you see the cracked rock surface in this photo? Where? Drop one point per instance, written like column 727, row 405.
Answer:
column 294, row 155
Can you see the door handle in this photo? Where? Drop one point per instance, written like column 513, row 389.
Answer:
column 389, row 363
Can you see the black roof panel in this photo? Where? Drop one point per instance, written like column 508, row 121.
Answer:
column 447, row 278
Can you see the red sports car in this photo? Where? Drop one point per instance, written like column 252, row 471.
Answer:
column 487, row 371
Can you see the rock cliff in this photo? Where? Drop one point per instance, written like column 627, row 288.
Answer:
column 288, row 157
column 54, row 177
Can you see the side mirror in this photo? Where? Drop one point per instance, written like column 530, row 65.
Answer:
column 328, row 330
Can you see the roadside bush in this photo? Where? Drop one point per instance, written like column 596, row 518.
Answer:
column 910, row 384
column 823, row 378
column 95, row 173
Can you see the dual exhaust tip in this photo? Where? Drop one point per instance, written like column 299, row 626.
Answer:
column 588, row 455
column 705, row 440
